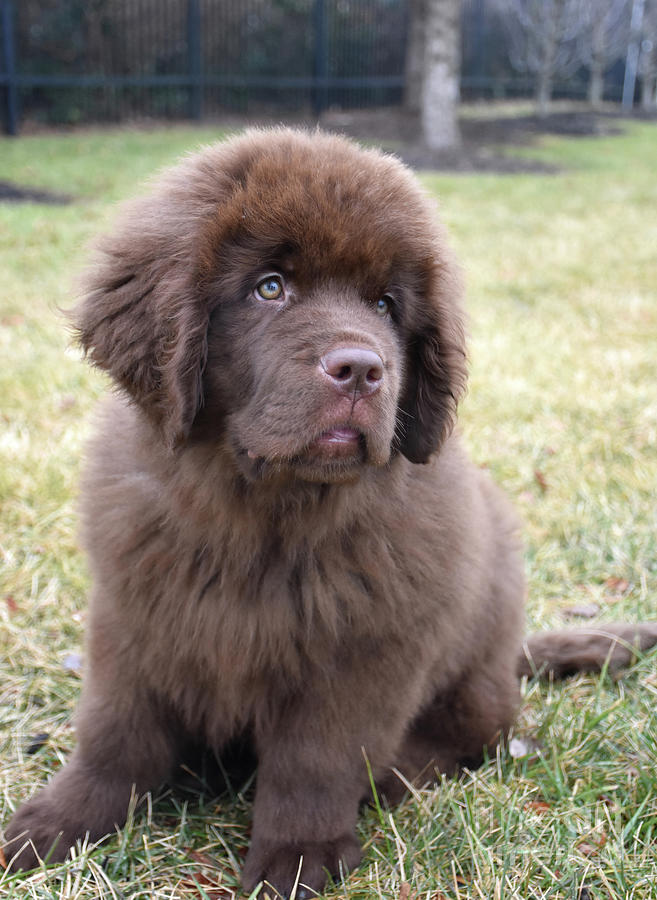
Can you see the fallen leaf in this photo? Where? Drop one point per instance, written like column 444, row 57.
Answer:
column 593, row 845
column 3, row 861
column 608, row 801
column 617, row 585
column 72, row 662
column 12, row 606
column 538, row 806
column 540, row 480
column 209, row 883
column 405, row 891
column 202, row 858
column 209, row 888
column 520, row 747
column 68, row 401
column 581, row 611
column 37, row 742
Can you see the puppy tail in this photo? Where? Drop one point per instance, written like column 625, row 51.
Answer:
column 561, row 653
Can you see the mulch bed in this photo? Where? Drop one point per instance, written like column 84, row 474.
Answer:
column 483, row 139
column 15, row 193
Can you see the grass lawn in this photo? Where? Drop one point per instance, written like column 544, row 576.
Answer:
column 562, row 285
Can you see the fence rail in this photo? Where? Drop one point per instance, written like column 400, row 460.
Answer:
column 213, row 53
column 63, row 62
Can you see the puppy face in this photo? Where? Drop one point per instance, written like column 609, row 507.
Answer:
column 319, row 374
column 290, row 295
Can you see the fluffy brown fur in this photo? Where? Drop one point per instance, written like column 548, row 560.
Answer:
column 288, row 546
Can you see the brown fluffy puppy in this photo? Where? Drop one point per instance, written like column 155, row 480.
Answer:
column 287, row 545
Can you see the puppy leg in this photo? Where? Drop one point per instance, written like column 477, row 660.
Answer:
column 454, row 730
column 312, row 776
column 123, row 747
column 305, row 810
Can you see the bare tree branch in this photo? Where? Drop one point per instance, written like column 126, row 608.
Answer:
column 545, row 38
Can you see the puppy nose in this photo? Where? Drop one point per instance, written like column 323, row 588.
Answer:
column 353, row 370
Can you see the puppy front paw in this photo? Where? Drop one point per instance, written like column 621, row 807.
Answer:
column 34, row 834
column 281, row 866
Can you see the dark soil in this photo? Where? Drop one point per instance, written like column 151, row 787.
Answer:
column 483, row 138
column 15, row 193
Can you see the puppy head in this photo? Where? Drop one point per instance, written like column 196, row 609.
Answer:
column 289, row 293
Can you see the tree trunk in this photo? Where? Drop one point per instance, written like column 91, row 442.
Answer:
column 649, row 92
column 414, row 74
column 596, row 84
column 549, row 41
column 442, row 56
column 597, row 74
column 648, row 61
column 543, row 93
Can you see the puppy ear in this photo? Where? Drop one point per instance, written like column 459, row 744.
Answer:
column 436, row 369
column 143, row 319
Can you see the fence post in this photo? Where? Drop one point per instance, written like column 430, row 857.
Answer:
column 195, row 61
column 320, row 57
column 9, row 53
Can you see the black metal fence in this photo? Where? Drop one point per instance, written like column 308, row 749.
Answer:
column 65, row 61
column 69, row 61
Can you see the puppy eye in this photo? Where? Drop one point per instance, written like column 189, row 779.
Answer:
column 384, row 305
column 270, row 288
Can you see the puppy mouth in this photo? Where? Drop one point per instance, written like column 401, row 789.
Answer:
column 340, row 443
